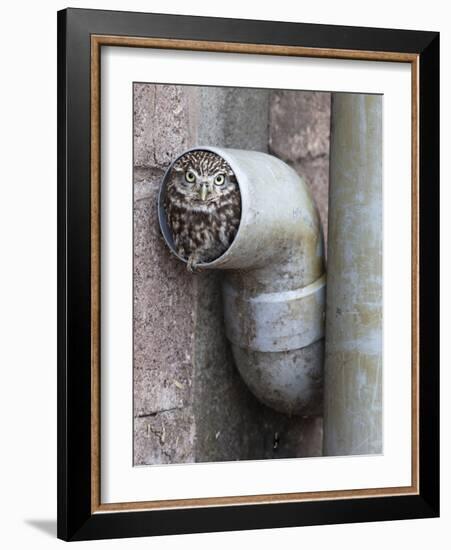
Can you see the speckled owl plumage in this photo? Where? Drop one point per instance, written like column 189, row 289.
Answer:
column 203, row 206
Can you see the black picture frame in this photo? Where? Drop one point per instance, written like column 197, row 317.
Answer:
column 76, row 519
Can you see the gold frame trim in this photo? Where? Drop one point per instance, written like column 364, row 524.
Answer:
column 97, row 41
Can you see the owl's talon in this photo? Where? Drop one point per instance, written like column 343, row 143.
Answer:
column 192, row 266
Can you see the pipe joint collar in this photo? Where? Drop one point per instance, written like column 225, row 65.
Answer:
column 275, row 321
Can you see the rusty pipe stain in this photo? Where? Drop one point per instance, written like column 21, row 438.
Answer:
column 274, row 283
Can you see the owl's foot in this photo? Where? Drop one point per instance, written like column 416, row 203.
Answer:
column 192, row 265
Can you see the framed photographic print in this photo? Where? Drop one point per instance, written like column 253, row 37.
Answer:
column 248, row 274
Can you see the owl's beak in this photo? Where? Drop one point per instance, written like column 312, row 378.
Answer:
column 203, row 192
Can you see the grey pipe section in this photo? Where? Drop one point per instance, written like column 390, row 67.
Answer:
column 353, row 366
column 274, row 283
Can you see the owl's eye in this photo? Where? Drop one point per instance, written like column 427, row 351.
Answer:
column 190, row 176
column 219, row 179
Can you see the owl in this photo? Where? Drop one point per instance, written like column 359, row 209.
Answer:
column 203, row 206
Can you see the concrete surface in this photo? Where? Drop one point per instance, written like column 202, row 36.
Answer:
column 299, row 132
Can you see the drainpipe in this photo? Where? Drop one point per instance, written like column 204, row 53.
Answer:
column 274, row 283
column 353, row 365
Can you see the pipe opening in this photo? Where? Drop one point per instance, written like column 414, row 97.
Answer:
column 200, row 207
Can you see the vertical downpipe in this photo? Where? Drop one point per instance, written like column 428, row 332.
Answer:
column 353, row 364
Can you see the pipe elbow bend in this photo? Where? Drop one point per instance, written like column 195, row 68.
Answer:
column 274, row 283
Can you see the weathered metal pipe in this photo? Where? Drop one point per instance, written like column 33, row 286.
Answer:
column 353, row 362
column 274, row 283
